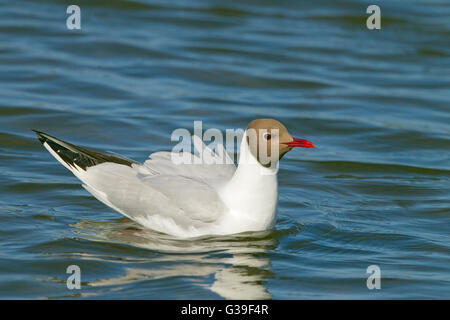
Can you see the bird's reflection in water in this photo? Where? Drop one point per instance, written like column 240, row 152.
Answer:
column 239, row 263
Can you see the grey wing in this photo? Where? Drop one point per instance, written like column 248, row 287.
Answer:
column 151, row 199
column 197, row 200
column 213, row 167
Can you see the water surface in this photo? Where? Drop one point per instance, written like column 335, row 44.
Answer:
column 375, row 190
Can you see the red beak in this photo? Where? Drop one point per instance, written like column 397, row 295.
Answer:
column 299, row 143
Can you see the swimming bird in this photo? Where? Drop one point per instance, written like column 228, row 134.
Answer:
column 188, row 199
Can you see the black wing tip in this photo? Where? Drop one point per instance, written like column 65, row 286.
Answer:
column 40, row 135
column 82, row 157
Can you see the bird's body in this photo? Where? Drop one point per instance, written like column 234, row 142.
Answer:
column 184, row 200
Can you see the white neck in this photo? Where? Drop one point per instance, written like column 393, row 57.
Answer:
column 252, row 192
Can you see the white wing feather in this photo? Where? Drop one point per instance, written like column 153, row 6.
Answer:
column 171, row 198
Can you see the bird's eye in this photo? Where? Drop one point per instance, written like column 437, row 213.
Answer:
column 267, row 136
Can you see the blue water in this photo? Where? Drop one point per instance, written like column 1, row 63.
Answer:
column 374, row 191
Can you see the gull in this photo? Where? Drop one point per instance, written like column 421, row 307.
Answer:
column 188, row 199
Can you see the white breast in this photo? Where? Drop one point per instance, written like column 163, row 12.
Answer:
column 252, row 193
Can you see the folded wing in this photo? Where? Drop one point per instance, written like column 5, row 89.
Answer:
column 173, row 198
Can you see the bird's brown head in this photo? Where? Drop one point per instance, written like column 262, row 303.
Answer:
column 269, row 141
